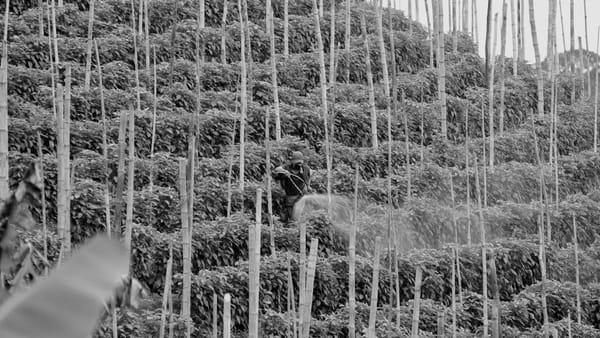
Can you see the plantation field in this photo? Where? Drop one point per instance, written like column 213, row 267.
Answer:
column 428, row 173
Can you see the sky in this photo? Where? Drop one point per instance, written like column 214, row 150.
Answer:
column 541, row 20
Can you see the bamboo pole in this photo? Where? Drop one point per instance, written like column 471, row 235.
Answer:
column 468, row 178
column 230, row 171
column 578, row 292
column 347, row 36
column 4, row 179
column 120, row 174
column 310, row 282
column 254, row 267
column 187, row 243
column 374, row 139
column 352, row 262
column 224, row 33
column 454, row 29
column 496, row 294
column 227, row 316
column 43, row 194
column 88, row 59
column 417, row 300
column 502, row 68
column 325, row 110
column 374, row 289
column 215, row 323
column 442, row 73
column 587, row 49
column 154, row 109
column 167, row 289
column 274, row 81
column 286, row 29
column 244, row 103
column 596, row 91
column 429, row 34
column 572, row 55
column 515, row 47
column 483, row 253
column 269, row 190
column 538, row 62
column 491, row 93
column 104, row 145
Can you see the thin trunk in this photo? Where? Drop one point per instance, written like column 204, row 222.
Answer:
column 215, row 323
column 147, row 36
column 465, row 16
column 244, row 103
column 54, row 36
column 224, row 33
column 597, row 70
column 332, row 75
column 274, row 81
column 441, row 324
column 436, row 33
column 321, row 9
column 41, row 17
column 569, row 330
column 120, row 174
column 286, row 29
column 254, row 267
column 230, row 172
column 171, row 317
column 468, row 178
column 347, row 37
column 302, row 277
column 202, row 25
column 454, row 29
column 522, row 30
column 538, row 62
column 186, row 243
column 172, row 42
column 578, row 292
column 454, row 258
column 488, row 41
column 572, row 55
column 88, row 59
column 562, row 27
column 104, row 145
column 502, row 68
column 429, row 35
column 291, row 303
column 67, row 161
column 496, row 294
column 483, row 253
column 374, row 139
column 325, row 110
column 163, row 316
column 352, row 263
column 268, row 13
column 268, row 177
column 154, row 108
column 442, row 72
column 581, row 67
column 474, row 21
column 43, row 194
column 515, row 47
column 417, row 301
column 484, row 159
column 551, row 34
column 227, row 316
column 491, row 93
column 410, row 28
column 374, row 289
column 4, row 179
column 310, row 282
column 587, row 49
column 248, row 39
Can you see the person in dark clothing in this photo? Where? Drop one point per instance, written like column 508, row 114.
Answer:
column 294, row 178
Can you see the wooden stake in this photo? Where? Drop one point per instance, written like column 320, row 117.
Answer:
column 325, row 110
column 578, row 292
column 254, row 267
column 417, row 302
column 483, row 253
column 215, row 325
column 274, row 81
column 352, row 263
column 502, row 68
column 187, row 243
column 491, row 93
column 227, row 316
column 310, row 282
column 88, row 59
column 223, row 33
column 374, row 289
column 374, row 139
column 167, row 290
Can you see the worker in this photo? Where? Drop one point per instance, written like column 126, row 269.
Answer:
column 294, row 178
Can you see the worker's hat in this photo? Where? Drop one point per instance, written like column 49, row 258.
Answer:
column 297, row 157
